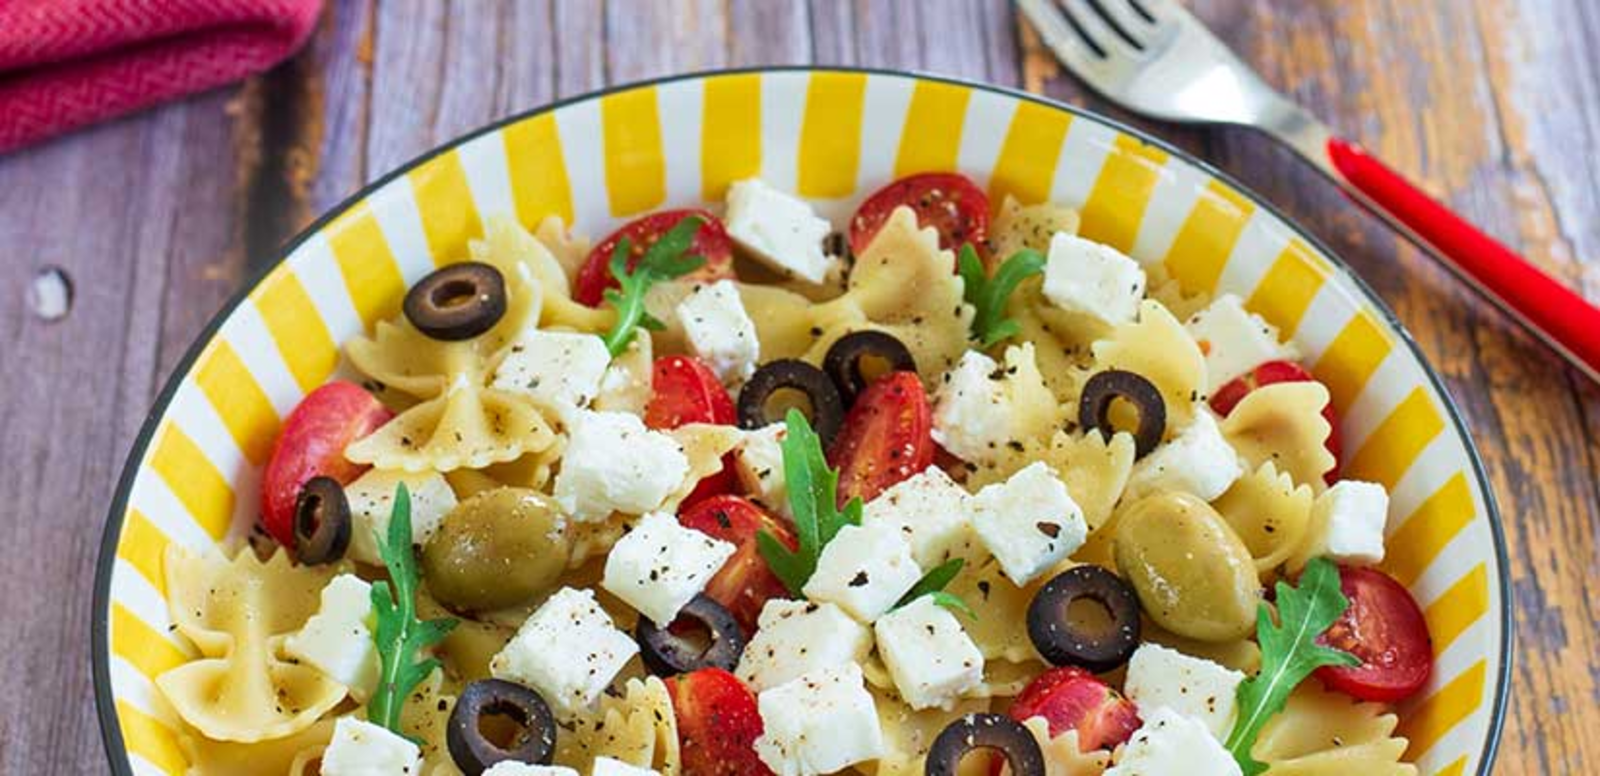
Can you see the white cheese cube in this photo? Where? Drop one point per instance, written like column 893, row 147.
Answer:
column 371, row 498
column 930, row 510
column 337, row 640
column 559, row 369
column 1094, row 280
column 1198, row 461
column 568, row 651
column 931, row 659
column 1029, row 522
column 659, row 565
column 822, row 722
column 1348, row 521
column 758, row 460
column 1170, row 743
column 720, row 332
column 606, row 766
column 513, row 768
column 778, row 230
column 798, row 637
column 970, row 407
column 1235, row 340
column 864, row 570
column 360, row 748
column 614, row 464
column 1192, row 686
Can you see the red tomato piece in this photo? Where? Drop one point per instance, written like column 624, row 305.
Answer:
column 686, row 391
column 1383, row 627
column 887, row 437
column 745, row 583
column 718, row 723
column 948, row 202
column 1229, row 396
column 710, row 243
column 1070, row 698
column 312, row 444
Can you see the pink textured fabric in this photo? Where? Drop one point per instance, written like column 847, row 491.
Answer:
column 67, row 63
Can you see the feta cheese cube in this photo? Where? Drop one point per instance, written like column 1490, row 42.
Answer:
column 1192, row 686
column 931, row 659
column 606, row 766
column 758, row 461
column 779, row 230
column 930, row 510
column 1094, row 280
column 360, row 748
column 659, row 565
column 1348, row 520
column 720, row 332
column 1235, row 340
column 560, row 369
column 1029, row 522
column 970, row 407
column 1198, row 461
column 864, row 570
column 513, row 768
column 798, row 637
column 337, row 640
column 568, row 651
column 371, row 498
column 614, row 464
column 1170, row 743
column 822, row 722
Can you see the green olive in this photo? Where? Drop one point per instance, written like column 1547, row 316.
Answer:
column 499, row 548
column 1193, row 574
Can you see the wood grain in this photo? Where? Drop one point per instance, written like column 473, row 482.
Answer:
column 1493, row 104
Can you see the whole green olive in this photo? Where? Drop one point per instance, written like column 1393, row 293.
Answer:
column 1193, row 574
column 499, row 548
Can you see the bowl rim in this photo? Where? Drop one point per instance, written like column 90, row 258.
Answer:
column 99, row 613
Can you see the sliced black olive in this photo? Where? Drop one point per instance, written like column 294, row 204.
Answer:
column 985, row 731
column 457, row 302
column 827, row 408
column 498, row 721
column 321, row 521
column 845, row 359
column 712, row 639
column 1096, row 646
column 1094, row 408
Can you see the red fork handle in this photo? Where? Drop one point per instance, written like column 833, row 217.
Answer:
column 1552, row 311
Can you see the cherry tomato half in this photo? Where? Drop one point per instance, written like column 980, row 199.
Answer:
column 1229, row 396
column 745, row 583
column 1070, row 698
column 1383, row 627
column 312, row 444
column 718, row 724
column 710, row 243
column 948, row 202
column 684, row 390
column 886, row 437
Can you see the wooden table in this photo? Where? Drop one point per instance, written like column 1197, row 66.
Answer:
column 156, row 218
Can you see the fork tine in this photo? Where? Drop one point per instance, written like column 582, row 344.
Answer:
column 1097, row 32
column 1133, row 18
column 1065, row 42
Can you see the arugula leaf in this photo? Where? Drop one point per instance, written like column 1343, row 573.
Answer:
column 400, row 635
column 813, row 498
column 1289, row 653
column 988, row 295
column 663, row 260
column 933, row 584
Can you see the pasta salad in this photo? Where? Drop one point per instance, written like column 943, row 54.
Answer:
column 950, row 490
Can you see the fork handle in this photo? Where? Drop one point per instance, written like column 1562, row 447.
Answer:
column 1564, row 320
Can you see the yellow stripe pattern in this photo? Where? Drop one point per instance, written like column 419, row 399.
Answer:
column 150, row 739
column 1423, row 535
column 1351, row 358
column 194, row 479
column 931, row 139
column 297, row 329
column 141, row 645
column 367, row 265
column 1439, row 713
column 1454, row 769
column 1458, row 608
column 636, row 172
column 830, row 135
column 730, row 133
column 1397, row 441
column 449, row 217
column 238, row 400
column 1285, row 292
column 1207, row 237
column 143, row 546
column 1121, row 193
column 538, row 173
column 1027, row 164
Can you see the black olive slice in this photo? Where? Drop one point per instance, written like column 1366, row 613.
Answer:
column 497, row 721
column 1098, row 647
column 712, row 638
column 827, row 408
column 457, row 302
column 985, row 731
column 1094, row 408
column 321, row 521
column 844, row 360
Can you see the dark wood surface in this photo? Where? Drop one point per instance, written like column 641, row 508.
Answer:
column 1493, row 104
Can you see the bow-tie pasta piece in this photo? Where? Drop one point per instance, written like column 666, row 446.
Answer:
column 1094, row 469
column 510, row 248
column 1283, row 424
column 1270, row 513
column 469, row 426
column 567, row 249
column 273, row 757
column 638, row 727
column 1019, row 226
column 908, row 733
column 1062, row 757
column 1157, row 347
column 1321, row 733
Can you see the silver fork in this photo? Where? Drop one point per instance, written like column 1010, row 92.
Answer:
column 1155, row 58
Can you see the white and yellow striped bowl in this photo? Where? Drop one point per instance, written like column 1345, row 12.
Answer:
column 831, row 136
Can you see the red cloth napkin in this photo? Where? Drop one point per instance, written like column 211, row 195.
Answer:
column 67, row 63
